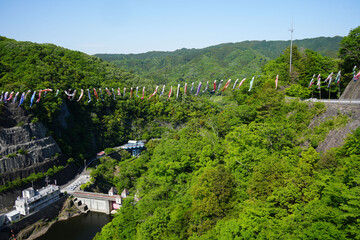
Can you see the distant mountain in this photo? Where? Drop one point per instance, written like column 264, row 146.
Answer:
column 228, row 60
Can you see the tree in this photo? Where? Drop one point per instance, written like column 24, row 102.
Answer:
column 210, row 198
column 349, row 53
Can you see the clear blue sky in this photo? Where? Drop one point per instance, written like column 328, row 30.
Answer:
column 135, row 26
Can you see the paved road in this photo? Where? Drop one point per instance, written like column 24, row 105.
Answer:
column 331, row 101
column 334, row 101
column 82, row 177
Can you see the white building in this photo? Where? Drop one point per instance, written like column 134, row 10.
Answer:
column 32, row 200
column 13, row 216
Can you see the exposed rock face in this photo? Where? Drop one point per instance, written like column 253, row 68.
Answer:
column 24, row 146
column 32, row 139
column 352, row 91
column 64, row 113
column 336, row 137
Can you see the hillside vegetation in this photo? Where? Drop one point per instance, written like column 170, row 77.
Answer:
column 240, row 174
column 230, row 60
column 227, row 165
column 78, row 127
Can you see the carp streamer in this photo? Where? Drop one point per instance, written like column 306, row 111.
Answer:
column 15, row 98
column 96, row 95
column 81, row 95
column 177, row 91
column 220, row 85
column 169, row 93
column 312, row 81
column 318, row 81
column 235, row 84
column 89, row 95
column 251, row 83
column 163, row 89
column 242, row 81
column 154, row 93
column 22, row 99
column 143, row 94
column 226, row 85
column 32, row 98
column 338, row 76
column 206, row 87
column 198, row 89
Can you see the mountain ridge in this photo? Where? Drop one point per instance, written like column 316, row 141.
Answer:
column 222, row 61
column 154, row 52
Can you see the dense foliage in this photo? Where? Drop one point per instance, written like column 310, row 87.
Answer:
column 349, row 52
column 231, row 165
column 240, row 174
column 304, row 65
column 79, row 128
column 224, row 61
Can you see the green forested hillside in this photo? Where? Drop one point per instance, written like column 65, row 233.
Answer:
column 79, row 127
column 227, row 165
column 27, row 65
column 230, row 60
column 241, row 172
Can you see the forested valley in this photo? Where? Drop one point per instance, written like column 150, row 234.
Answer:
column 227, row 165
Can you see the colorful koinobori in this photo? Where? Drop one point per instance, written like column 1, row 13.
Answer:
column 5, row 97
column 71, row 95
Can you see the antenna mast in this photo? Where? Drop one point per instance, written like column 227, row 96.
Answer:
column 292, row 31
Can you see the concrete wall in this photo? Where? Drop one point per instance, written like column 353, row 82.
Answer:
column 2, row 219
column 96, row 205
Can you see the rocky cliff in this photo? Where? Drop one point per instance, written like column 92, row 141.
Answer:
column 352, row 91
column 24, row 146
column 336, row 137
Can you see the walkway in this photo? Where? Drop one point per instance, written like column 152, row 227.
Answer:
column 334, row 101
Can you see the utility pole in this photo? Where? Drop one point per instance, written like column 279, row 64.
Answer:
column 84, row 164
column 47, row 180
column 292, row 31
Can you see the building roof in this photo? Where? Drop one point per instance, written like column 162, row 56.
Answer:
column 100, row 153
column 100, row 196
column 12, row 213
column 113, row 190
column 125, row 191
column 39, row 193
column 134, row 144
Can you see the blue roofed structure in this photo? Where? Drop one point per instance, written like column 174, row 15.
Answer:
column 134, row 147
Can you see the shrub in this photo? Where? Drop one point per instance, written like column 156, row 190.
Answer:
column 35, row 120
column 22, row 151
column 109, row 150
column 71, row 160
column 11, row 155
column 22, row 123
column 296, row 90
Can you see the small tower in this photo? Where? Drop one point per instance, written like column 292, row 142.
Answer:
column 112, row 191
column 124, row 193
